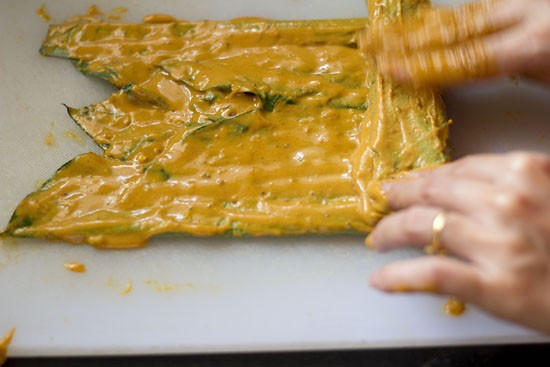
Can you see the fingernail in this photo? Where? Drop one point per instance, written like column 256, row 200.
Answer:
column 386, row 187
column 411, row 174
column 368, row 242
column 399, row 74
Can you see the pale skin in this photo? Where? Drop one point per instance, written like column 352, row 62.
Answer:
column 497, row 206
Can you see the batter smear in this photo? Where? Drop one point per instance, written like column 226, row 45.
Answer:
column 248, row 126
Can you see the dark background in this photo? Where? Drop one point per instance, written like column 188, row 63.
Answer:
column 488, row 355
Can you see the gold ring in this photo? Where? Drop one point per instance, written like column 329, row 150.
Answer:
column 437, row 228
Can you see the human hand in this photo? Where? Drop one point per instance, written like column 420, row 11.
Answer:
column 497, row 210
column 442, row 46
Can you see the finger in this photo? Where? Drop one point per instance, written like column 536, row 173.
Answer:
column 437, row 27
column 441, row 66
column 447, row 193
column 523, row 48
column 510, row 170
column 483, row 167
column 437, row 274
column 530, row 174
column 470, row 198
column 413, row 227
column 506, row 52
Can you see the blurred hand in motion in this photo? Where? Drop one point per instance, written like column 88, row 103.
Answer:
column 442, row 46
column 497, row 210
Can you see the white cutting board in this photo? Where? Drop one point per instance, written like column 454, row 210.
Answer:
column 218, row 294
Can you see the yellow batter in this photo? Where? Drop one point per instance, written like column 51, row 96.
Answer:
column 249, row 126
column 4, row 344
column 75, row 267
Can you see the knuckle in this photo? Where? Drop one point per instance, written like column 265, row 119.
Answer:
column 454, row 227
column 475, row 289
column 437, row 273
column 546, row 165
column 540, row 35
column 430, row 190
column 410, row 224
column 439, row 276
column 522, row 163
column 510, row 285
column 516, row 244
column 512, row 202
column 513, row 244
column 460, row 167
